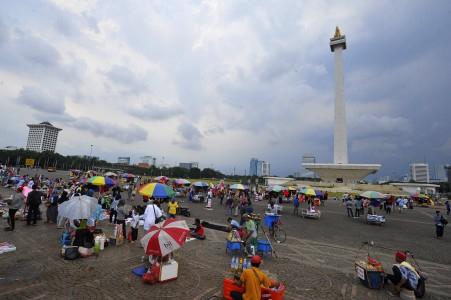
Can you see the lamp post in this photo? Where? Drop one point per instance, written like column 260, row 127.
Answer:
column 90, row 157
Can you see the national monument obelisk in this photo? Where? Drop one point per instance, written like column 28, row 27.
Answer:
column 340, row 170
column 337, row 45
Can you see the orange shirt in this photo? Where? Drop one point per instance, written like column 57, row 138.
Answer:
column 252, row 284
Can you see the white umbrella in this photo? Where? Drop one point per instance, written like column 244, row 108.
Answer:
column 78, row 207
column 110, row 174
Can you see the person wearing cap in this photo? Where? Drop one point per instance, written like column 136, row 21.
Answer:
column 234, row 224
column 253, row 280
column 404, row 274
column 14, row 204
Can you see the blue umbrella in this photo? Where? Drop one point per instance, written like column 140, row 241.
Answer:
column 200, row 184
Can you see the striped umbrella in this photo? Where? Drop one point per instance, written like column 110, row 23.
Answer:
column 157, row 190
column 101, row 181
column 127, row 175
column 182, row 181
column 165, row 237
column 201, row 184
column 277, row 188
column 162, row 179
column 372, row 195
column 238, row 186
column 308, row 191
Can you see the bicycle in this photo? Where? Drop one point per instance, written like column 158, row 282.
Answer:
column 276, row 232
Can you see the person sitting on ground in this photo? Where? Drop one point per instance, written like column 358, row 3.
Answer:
column 83, row 236
column 198, row 232
column 404, row 274
column 253, row 280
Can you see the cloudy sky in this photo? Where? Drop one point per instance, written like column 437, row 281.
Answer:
column 219, row 82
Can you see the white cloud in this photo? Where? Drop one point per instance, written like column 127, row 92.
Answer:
column 188, row 79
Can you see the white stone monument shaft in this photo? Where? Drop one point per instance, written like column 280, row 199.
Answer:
column 337, row 45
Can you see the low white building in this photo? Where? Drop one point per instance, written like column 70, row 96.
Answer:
column 413, row 187
column 276, row 180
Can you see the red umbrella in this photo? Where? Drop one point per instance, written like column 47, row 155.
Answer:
column 165, row 237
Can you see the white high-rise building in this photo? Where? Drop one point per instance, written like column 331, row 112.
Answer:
column 42, row 137
column 419, row 172
column 266, row 168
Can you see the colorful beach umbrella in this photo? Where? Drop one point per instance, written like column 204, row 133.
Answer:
column 127, row 175
column 238, row 186
column 201, row 184
column 157, row 190
column 308, row 191
column 162, row 179
column 182, row 181
column 372, row 195
column 165, row 237
column 25, row 191
column 276, row 188
column 101, row 181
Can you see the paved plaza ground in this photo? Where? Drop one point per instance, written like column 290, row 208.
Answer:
column 316, row 262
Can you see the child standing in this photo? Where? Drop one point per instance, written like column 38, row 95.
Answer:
column 134, row 224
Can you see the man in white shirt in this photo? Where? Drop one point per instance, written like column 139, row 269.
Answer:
column 151, row 213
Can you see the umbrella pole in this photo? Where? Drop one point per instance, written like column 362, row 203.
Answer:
column 267, row 238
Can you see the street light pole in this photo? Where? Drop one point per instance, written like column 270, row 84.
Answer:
column 90, row 157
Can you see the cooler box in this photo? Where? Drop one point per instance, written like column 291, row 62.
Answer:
column 229, row 286
column 139, row 271
column 269, row 220
column 264, row 246
column 169, row 271
column 271, row 294
column 231, row 246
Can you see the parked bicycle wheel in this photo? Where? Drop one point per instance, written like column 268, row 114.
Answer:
column 279, row 235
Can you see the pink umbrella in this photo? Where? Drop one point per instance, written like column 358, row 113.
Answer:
column 25, row 191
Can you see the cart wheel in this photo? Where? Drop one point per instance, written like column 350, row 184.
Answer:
column 280, row 235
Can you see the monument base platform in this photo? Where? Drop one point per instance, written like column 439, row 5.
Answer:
column 342, row 172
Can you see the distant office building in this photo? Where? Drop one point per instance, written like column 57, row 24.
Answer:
column 266, row 168
column 189, row 165
column 438, row 173
column 419, row 172
column 148, row 160
column 259, row 168
column 448, row 173
column 123, row 160
column 253, row 167
column 42, row 137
